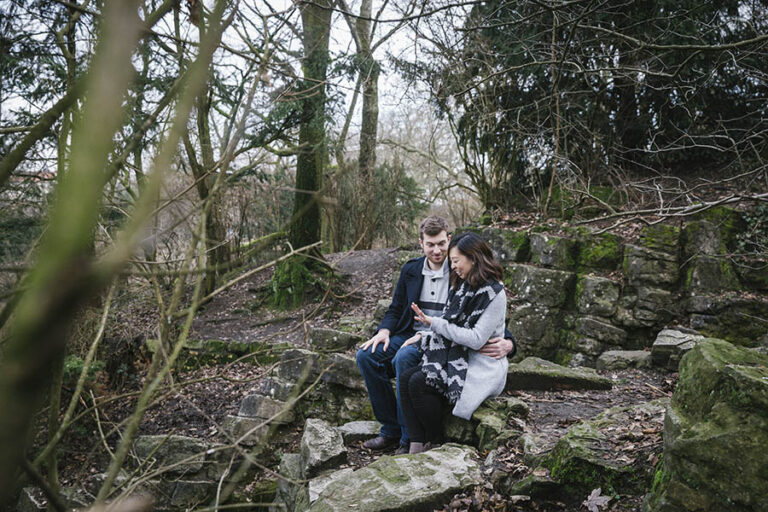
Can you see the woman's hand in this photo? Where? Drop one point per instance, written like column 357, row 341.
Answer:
column 420, row 316
column 410, row 341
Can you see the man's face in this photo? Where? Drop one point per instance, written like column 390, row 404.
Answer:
column 435, row 248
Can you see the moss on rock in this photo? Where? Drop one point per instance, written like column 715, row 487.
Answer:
column 601, row 252
column 716, row 427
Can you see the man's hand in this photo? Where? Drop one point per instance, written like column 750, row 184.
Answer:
column 497, row 348
column 410, row 341
column 380, row 337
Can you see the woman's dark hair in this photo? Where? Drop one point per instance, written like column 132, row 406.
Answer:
column 484, row 269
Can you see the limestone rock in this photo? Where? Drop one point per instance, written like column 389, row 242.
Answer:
column 336, row 404
column 553, row 251
column 661, row 237
column 535, row 373
column 180, row 454
column 600, row 252
column 536, row 485
column 264, row 407
column 189, row 494
column 381, row 307
column 322, row 447
column 715, row 433
column 355, row 431
column 654, row 305
column 508, row 246
column 588, row 455
column 32, row 499
column 622, row 359
column 643, row 265
column 249, row 431
column 730, row 317
column 489, row 425
column 293, row 496
column 710, row 274
column 670, row 345
column 354, row 324
column 331, row 340
column 342, row 369
column 298, row 364
column 277, row 388
column 601, row 331
column 753, row 273
column 536, row 329
column 411, row 482
column 706, row 249
column 597, row 296
column 318, row 484
column 540, row 286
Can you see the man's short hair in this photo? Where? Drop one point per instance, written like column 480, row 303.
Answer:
column 432, row 225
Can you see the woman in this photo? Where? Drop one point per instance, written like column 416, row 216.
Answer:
column 452, row 371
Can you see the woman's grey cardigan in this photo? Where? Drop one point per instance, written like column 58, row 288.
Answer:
column 486, row 376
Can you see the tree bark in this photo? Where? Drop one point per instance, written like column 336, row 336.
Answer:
column 312, row 158
column 366, row 162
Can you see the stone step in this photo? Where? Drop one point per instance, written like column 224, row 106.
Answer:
column 540, row 374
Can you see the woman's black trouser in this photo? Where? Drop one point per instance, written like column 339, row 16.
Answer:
column 423, row 407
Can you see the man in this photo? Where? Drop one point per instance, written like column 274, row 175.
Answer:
column 425, row 281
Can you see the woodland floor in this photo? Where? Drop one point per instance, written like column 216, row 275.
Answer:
column 198, row 400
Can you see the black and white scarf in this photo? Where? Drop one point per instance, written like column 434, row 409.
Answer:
column 444, row 362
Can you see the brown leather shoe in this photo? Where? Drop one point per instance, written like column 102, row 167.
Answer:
column 401, row 450
column 380, row 443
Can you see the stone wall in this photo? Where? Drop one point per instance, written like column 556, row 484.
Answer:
column 579, row 294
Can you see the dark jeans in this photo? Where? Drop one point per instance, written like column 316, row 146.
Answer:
column 423, row 407
column 377, row 370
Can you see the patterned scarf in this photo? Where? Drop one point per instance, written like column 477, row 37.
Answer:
column 444, row 362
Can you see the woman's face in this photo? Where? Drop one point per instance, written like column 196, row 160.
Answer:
column 459, row 262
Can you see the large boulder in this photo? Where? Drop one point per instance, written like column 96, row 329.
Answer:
column 535, row 373
column 412, row 482
column 715, row 433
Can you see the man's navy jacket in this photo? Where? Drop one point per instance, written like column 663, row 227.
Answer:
column 399, row 317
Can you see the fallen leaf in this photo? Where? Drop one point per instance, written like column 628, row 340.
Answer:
column 595, row 501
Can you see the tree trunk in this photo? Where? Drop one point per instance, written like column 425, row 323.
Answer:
column 312, row 158
column 369, row 71
column 217, row 250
